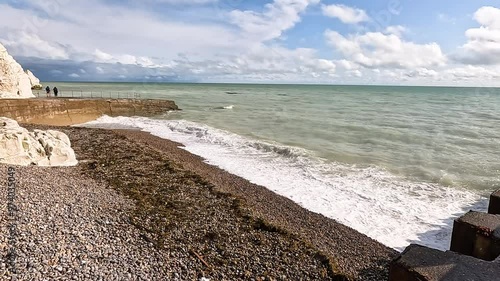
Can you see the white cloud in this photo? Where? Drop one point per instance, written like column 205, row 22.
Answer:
column 397, row 30
column 85, row 25
column 355, row 73
column 345, row 14
column 348, row 65
column 102, row 56
column 422, row 72
column 483, row 46
column 472, row 72
column 378, row 50
column 74, row 75
column 32, row 45
column 276, row 18
column 262, row 63
column 488, row 16
column 95, row 40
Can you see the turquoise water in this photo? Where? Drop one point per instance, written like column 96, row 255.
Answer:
column 441, row 135
column 396, row 163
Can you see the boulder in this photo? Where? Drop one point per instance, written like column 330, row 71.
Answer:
column 35, row 82
column 18, row 146
column 14, row 82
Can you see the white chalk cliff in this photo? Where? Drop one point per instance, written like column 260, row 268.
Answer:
column 18, row 146
column 35, row 82
column 14, row 82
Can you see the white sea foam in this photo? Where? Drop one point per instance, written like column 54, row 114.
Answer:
column 392, row 210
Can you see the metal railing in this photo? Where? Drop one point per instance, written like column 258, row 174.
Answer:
column 93, row 94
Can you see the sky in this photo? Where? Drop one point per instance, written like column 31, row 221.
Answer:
column 386, row 42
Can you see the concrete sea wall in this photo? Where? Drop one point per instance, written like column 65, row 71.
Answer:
column 69, row 111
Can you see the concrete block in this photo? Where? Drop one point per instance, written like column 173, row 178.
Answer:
column 419, row 263
column 494, row 207
column 478, row 235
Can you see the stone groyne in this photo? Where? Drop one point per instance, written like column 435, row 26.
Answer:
column 69, row 111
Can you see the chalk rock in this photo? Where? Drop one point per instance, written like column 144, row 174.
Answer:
column 35, row 82
column 14, row 82
column 18, row 146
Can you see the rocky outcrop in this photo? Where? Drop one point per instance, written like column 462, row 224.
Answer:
column 35, row 82
column 14, row 82
column 18, row 146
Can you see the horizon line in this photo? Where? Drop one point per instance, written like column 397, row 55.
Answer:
column 270, row 84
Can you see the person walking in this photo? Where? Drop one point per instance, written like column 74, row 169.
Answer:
column 56, row 91
column 47, row 89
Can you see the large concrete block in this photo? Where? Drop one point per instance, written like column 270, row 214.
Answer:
column 477, row 234
column 419, row 263
column 494, row 207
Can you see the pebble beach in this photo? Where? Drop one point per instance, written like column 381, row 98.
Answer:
column 138, row 207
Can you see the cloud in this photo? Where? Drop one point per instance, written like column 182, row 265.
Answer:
column 483, row 45
column 111, row 41
column 261, row 63
column 488, row 16
column 136, row 36
column 345, row 14
column 276, row 18
column 378, row 50
column 472, row 72
column 83, row 25
column 100, row 56
column 274, row 62
column 397, row 30
column 33, row 45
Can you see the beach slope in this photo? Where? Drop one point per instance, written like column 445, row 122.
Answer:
column 139, row 207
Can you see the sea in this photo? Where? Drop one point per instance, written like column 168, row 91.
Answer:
column 398, row 164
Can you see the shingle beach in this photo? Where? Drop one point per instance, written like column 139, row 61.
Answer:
column 138, row 207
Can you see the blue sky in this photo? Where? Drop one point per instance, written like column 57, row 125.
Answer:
column 402, row 42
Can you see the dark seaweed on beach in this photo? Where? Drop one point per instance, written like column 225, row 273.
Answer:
column 181, row 213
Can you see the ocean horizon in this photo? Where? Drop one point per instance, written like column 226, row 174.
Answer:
column 397, row 163
column 67, row 82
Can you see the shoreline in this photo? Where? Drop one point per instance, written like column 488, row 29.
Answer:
column 275, row 208
column 227, row 212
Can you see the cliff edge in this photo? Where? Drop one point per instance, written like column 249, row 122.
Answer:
column 14, row 82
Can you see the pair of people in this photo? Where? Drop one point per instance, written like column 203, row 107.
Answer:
column 56, row 91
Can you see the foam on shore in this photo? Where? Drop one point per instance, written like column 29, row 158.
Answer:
column 390, row 209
